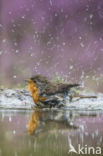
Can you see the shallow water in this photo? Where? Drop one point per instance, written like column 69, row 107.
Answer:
column 49, row 132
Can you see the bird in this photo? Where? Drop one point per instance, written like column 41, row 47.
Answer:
column 48, row 94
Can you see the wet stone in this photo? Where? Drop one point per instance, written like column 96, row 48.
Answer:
column 21, row 99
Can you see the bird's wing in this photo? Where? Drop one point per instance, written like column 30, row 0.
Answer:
column 65, row 87
column 58, row 88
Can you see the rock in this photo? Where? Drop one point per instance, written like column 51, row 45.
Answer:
column 87, row 103
column 21, row 99
column 15, row 99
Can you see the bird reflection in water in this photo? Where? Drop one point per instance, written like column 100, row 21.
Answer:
column 33, row 123
column 44, row 120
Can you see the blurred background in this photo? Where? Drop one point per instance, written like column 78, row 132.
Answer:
column 51, row 37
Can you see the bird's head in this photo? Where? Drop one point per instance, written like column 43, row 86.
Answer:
column 37, row 81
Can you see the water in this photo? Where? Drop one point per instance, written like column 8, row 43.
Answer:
column 49, row 132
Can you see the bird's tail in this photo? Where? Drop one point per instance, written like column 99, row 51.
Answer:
column 84, row 96
column 73, row 85
column 81, row 97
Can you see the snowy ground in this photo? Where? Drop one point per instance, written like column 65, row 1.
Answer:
column 21, row 99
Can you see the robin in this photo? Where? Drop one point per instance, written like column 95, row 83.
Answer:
column 48, row 94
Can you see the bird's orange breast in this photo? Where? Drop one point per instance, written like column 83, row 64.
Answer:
column 35, row 92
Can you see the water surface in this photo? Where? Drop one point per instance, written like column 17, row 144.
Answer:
column 49, row 132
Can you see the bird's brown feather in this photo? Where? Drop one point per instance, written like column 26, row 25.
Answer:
column 57, row 88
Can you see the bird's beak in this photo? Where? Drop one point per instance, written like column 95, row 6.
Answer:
column 26, row 80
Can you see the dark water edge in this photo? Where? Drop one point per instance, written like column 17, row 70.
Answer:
column 50, row 132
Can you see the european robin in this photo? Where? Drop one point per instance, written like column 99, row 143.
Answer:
column 48, row 94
